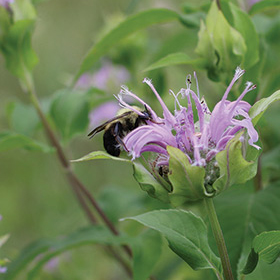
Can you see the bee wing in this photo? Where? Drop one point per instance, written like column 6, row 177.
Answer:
column 102, row 126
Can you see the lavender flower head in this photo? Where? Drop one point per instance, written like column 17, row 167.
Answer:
column 109, row 75
column 6, row 3
column 200, row 141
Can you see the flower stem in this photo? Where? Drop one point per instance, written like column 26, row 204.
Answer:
column 78, row 188
column 218, row 234
column 258, row 178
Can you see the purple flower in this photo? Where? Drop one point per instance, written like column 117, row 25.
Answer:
column 108, row 75
column 6, row 3
column 103, row 112
column 200, row 141
column 52, row 264
column 3, row 269
column 252, row 2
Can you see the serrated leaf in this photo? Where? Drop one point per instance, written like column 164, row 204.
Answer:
column 130, row 25
column 258, row 109
column 11, row 140
column 266, row 246
column 69, row 111
column 186, row 234
column 98, row 155
column 149, row 184
column 187, row 180
column 264, row 5
column 17, row 50
column 174, row 59
column 234, row 169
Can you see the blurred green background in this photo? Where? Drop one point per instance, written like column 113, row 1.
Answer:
column 35, row 200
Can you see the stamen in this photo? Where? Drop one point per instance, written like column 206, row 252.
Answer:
column 166, row 113
column 238, row 73
column 176, row 100
column 197, row 87
column 125, row 91
column 189, row 81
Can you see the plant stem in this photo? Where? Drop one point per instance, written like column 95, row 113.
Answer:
column 218, row 234
column 75, row 183
column 218, row 4
column 258, row 178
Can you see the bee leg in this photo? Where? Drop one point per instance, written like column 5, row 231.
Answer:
column 118, row 138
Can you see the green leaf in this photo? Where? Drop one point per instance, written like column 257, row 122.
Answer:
column 243, row 213
column 187, row 180
column 265, row 271
column 234, row 169
column 99, row 155
column 149, row 184
column 130, row 25
column 175, row 59
column 17, row 50
column 11, row 140
column 266, row 246
column 186, row 234
column 5, row 21
column 258, row 109
column 26, row 256
column 192, row 20
column 23, row 9
column 146, row 250
column 264, row 5
column 220, row 44
column 23, row 118
column 69, row 111
column 243, row 24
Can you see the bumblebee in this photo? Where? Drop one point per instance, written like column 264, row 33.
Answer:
column 117, row 128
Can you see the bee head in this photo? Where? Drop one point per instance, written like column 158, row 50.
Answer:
column 146, row 114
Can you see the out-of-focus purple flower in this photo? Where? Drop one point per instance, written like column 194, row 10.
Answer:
column 3, row 269
column 252, row 2
column 102, row 113
column 6, row 3
column 201, row 140
column 52, row 264
column 108, row 75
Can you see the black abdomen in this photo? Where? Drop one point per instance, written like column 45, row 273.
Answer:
column 110, row 143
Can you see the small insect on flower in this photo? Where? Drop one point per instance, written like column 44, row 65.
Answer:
column 117, row 128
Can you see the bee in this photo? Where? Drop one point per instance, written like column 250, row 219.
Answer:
column 117, row 128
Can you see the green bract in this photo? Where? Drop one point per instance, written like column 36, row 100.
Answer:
column 221, row 44
column 187, row 180
column 234, row 168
